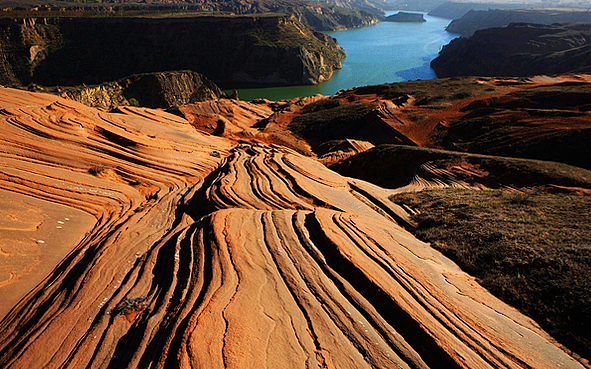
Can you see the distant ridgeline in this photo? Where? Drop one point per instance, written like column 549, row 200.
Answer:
column 266, row 49
column 477, row 20
column 405, row 17
column 518, row 50
column 456, row 9
column 322, row 15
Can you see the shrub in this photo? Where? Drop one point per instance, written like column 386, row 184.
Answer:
column 97, row 169
column 133, row 102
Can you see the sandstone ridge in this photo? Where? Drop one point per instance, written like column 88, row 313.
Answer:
column 207, row 253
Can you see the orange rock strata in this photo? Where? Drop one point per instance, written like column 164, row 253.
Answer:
column 209, row 254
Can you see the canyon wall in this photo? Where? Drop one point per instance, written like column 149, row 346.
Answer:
column 518, row 50
column 275, row 49
column 476, row 20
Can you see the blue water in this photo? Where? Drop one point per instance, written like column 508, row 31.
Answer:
column 384, row 53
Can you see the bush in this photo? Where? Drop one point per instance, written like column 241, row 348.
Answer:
column 97, row 169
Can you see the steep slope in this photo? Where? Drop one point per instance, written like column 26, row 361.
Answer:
column 476, row 20
column 518, row 50
column 266, row 49
column 321, row 15
column 151, row 90
column 206, row 254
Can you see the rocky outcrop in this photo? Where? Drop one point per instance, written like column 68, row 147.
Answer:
column 495, row 18
column 271, row 49
column 405, row 17
column 420, row 168
column 328, row 17
column 514, row 117
column 153, row 90
column 518, row 50
column 203, row 253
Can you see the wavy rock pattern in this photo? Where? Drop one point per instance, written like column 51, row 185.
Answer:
column 254, row 256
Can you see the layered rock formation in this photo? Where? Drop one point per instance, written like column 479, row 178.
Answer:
column 518, row 50
column 515, row 117
column 153, row 90
column 423, row 168
column 322, row 17
column 204, row 253
column 271, row 49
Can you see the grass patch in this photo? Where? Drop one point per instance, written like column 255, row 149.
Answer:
column 532, row 250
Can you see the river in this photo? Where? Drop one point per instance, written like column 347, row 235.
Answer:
column 384, row 53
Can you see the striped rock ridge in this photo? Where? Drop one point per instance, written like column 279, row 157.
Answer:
column 182, row 249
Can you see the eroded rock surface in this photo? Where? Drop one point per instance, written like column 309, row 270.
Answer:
column 205, row 253
column 151, row 90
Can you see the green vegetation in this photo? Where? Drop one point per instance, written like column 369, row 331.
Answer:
column 532, row 250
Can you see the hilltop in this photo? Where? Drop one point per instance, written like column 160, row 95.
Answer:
column 495, row 18
column 519, row 49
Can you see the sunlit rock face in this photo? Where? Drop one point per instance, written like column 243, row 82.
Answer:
column 153, row 90
column 182, row 249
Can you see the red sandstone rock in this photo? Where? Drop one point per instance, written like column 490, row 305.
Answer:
column 208, row 254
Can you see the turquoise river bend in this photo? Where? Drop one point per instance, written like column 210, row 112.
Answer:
column 384, row 53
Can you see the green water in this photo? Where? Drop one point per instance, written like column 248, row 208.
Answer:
column 384, row 53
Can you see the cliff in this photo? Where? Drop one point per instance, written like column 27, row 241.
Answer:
column 518, row 50
column 326, row 16
column 495, row 18
column 457, row 9
column 273, row 49
column 405, row 17
column 153, row 90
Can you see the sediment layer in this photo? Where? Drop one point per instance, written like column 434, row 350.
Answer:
column 205, row 253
